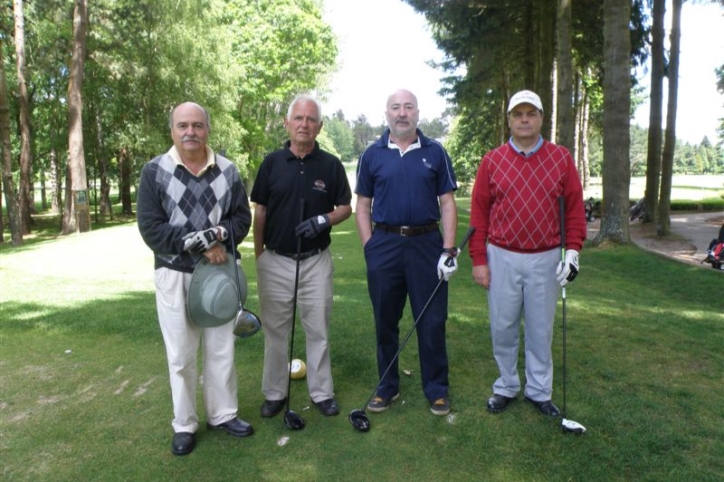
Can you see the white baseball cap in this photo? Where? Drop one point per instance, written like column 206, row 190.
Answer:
column 525, row 97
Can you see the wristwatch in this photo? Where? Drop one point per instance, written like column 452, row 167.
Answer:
column 451, row 251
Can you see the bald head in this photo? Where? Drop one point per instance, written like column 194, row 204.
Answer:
column 189, row 105
column 190, row 131
column 402, row 115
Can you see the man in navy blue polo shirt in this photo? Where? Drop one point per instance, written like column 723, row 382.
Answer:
column 410, row 179
column 298, row 173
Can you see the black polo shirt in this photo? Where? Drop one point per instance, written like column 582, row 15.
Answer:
column 283, row 180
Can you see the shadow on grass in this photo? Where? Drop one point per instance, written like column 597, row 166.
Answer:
column 132, row 315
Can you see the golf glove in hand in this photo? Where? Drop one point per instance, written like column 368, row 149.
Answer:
column 447, row 265
column 568, row 268
column 200, row 241
column 223, row 234
column 311, row 227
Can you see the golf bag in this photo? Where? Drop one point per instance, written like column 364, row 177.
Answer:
column 637, row 211
column 715, row 253
column 588, row 206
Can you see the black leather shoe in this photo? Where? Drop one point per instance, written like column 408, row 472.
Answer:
column 547, row 407
column 498, row 403
column 328, row 407
column 272, row 407
column 235, row 427
column 183, row 443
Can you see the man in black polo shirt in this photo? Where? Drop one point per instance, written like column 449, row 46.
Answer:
column 299, row 172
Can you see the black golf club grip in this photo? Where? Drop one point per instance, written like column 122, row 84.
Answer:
column 469, row 233
column 471, row 230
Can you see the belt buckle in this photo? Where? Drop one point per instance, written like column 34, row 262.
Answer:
column 405, row 230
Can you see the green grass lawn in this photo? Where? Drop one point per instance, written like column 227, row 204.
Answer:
column 84, row 391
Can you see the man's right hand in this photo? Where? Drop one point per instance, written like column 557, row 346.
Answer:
column 481, row 275
column 200, row 241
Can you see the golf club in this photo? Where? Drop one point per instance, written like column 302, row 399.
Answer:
column 568, row 426
column 291, row 419
column 246, row 322
column 357, row 417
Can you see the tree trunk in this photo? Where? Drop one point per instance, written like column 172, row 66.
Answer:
column 616, row 170
column 106, row 207
column 545, row 14
column 68, row 220
column 11, row 202
column 76, row 156
column 582, row 151
column 663, row 225
column 24, row 198
column 565, row 125
column 653, row 155
column 124, row 161
column 55, row 191
column 43, row 195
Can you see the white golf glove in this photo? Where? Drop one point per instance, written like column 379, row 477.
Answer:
column 568, row 268
column 447, row 266
column 200, row 241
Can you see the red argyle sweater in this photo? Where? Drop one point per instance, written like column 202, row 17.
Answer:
column 515, row 201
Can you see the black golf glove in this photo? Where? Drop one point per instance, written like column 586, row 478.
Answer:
column 200, row 241
column 568, row 268
column 311, row 227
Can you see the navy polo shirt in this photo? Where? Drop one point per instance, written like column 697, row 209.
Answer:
column 405, row 188
column 283, row 180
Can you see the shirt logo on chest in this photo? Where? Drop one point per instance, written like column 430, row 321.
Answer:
column 319, row 185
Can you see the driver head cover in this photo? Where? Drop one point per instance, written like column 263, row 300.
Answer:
column 212, row 299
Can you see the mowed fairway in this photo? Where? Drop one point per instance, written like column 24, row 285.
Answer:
column 84, row 392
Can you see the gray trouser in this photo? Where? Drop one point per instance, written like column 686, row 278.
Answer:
column 523, row 285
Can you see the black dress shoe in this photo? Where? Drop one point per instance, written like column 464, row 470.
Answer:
column 328, row 407
column 235, row 427
column 271, row 407
column 547, row 407
column 498, row 403
column 183, row 443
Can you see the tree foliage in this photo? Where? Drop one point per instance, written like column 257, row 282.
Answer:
column 244, row 60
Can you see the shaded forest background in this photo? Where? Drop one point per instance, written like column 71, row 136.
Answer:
column 86, row 88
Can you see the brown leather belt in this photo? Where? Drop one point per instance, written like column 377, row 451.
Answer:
column 301, row 256
column 407, row 230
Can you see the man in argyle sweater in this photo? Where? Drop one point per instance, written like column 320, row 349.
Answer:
column 188, row 201
column 516, row 248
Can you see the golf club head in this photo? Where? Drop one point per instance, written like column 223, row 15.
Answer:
column 358, row 419
column 570, row 426
column 246, row 324
column 293, row 421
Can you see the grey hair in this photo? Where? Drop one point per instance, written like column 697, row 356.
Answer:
column 206, row 113
column 301, row 98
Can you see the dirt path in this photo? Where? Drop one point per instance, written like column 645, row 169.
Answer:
column 690, row 237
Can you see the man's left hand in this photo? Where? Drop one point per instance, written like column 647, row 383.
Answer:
column 568, row 268
column 446, row 266
column 311, row 227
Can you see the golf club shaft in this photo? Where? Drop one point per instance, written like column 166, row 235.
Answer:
column 561, row 203
column 294, row 304
column 417, row 320
column 236, row 266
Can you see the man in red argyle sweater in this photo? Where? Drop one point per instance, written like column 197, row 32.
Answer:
column 516, row 249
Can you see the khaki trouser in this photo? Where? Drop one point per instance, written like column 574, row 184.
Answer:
column 275, row 283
